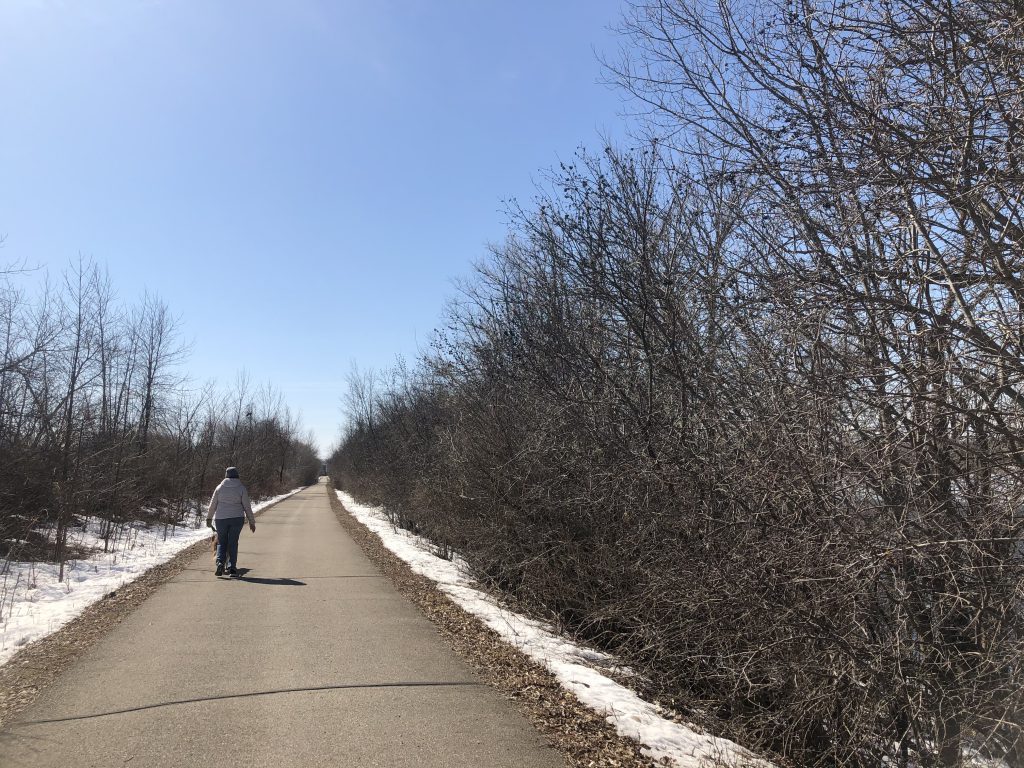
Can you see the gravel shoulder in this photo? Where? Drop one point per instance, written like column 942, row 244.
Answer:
column 583, row 737
column 37, row 665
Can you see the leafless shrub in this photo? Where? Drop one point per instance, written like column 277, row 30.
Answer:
column 745, row 405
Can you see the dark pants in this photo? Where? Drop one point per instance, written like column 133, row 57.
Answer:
column 228, row 531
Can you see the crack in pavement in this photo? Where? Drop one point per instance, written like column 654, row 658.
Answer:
column 251, row 694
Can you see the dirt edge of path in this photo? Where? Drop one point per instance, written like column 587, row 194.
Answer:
column 583, row 737
column 38, row 664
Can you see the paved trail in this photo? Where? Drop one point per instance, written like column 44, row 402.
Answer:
column 312, row 659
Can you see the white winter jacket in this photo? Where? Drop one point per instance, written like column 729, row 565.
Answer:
column 230, row 499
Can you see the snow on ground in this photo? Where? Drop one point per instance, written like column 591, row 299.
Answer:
column 33, row 603
column 572, row 664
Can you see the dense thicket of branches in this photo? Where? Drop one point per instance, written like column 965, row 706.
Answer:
column 95, row 420
column 746, row 406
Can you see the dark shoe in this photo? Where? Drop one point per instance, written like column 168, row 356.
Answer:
column 220, row 569
column 232, row 571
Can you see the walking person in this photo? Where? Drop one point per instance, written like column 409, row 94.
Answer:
column 229, row 508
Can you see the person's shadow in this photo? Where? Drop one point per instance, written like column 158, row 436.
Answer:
column 242, row 576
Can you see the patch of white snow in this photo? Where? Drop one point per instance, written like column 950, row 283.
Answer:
column 33, row 603
column 685, row 745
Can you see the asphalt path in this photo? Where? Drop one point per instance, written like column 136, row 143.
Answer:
column 310, row 659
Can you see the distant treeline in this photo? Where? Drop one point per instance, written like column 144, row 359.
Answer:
column 746, row 405
column 97, row 419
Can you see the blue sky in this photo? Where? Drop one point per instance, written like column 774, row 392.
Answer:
column 300, row 180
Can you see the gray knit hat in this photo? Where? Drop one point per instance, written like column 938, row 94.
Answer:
column 231, row 472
